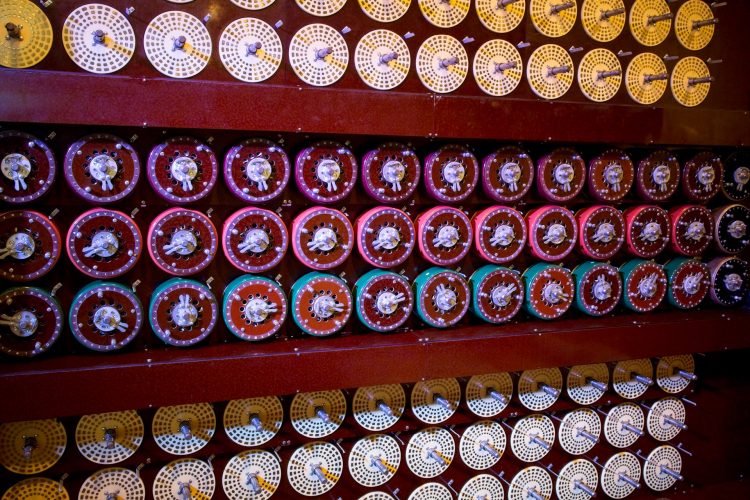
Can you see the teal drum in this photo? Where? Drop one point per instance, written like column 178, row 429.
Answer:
column 384, row 300
column 496, row 293
column 688, row 282
column 321, row 304
column 644, row 285
column 549, row 290
column 598, row 288
column 182, row 312
column 442, row 297
column 254, row 307
column 30, row 321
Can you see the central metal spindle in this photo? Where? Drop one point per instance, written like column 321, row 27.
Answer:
column 697, row 81
column 657, row 19
column 556, row 9
column 558, row 70
column 653, row 78
column 611, row 13
column 608, row 74
column 706, row 22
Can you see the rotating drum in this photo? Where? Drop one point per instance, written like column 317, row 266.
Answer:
column 692, row 229
column 499, row 234
column 384, row 300
column 30, row 321
column 451, row 174
column 254, row 307
column 254, row 240
column 549, row 290
column 647, row 230
column 560, row 175
column 385, row 237
column 601, row 231
column 325, row 172
column 496, row 294
column 701, row 176
column 736, row 176
column 552, row 232
column 688, row 282
column 598, row 288
column 444, row 235
column 27, row 166
column 256, row 170
column 182, row 312
column 731, row 224
column 30, row 245
column 729, row 280
column 322, row 238
column 442, row 297
column 182, row 170
column 611, row 175
column 390, row 173
column 644, row 285
column 507, row 174
column 182, row 241
column 321, row 304
column 657, row 176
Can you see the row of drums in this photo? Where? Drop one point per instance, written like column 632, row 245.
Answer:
column 102, row 168
column 104, row 243
column 107, row 316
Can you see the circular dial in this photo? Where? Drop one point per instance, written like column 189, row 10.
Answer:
column 729, row 280
column 666, row 419
column 692, row 229
column 444, row 14
column 177, row 44
column 662, row 468
column 579, row 431
column 317, row 414
column 102, row 168
column 532, row 437
column 114, row 482
column 688, row 282
column 611, row 175
column 105, row 316
column 560, row 175
column 647, row 230
column 27, row 165
column 253, row 421
column 321, row 9
column 384, row 11
column 736, row 176
column 256, row 170
column 674, row 373
column 631, row 378
column 384, row 300
column 109, row 438
column 185, row 478
column 550, row 71
column 250, row 50
column 499, row 234
column 502, row 16
column 182, row 170
column 621, row 475
column 374, row 460
column 385, row 237
column 587, row 383
column 658, row 176
column 29, row 245
column 30, row 321
column 531, row 479
column 690, row 81
column 451, row 173
column 314, row 468
column 254, row 240
column 326, row 172
column 378, row 407
column 539, row 389
column 103, row 243
column 435, row 401
column 623, row 425
column 599, row 75
column 390, row 173
column 577, row 480
column 507, row 174
column 182, row 312
column 98, row 38
column 254, row 307
column 430, row 452
column 442, row 63
column 650, row 21
column 445, row 235
column 644, row 285
column 553, row 18
column 497, row 67
column 252, row 474
column 36, row 487
column 28, row 34
column 431, row 491
column 322, row 238
column 32, row 446
column 496, row 293
column 182, row 241
column 318, row 54
column 253, row 4
column 488, row 395
column 549, row 290
column 731, row 223
column 382, row 59
column 552, row 232
column 442, row 297
column 601, row 231
column 183, row 429
column 321, row 304
column 694, row 24
column 482, row 486
column 701, row 176
column 482, row 444
column 603, row 20
column 598, row 288
column 646, row 78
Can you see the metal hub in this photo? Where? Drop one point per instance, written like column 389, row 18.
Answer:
column 20, row 246
column 510, row 173
column 564, row 175
column 502, row 295
column 103, row 169
column 256, row 241
column 602, row 288
column 388, row 238
column 453, row 173
column 504, row 235
column 613, row 175
column 22, row 324
column 324, row 239
column 393, row 173
column 553, row 293
column 107, row 319
column 741, row 177
column 696, row 231
column 605, row 232
column 16, row 167
column 257, row 310
column 647, row 286
column 258, row 170
column 388, row 302
column 733, row 282
column 661, row 176
column 328, row 172
column 555, row 234
column 447, row 236
column 651, row 232
column 445, row 298
column 325, row 306
column 103, row 244
column 706, row 176
column 184, row 314
column 737, row 229
column 692, row 283
column 184, row 170
column 183, row 242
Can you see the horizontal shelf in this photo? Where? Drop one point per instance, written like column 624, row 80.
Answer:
column 169, row 103
column 82, row 384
